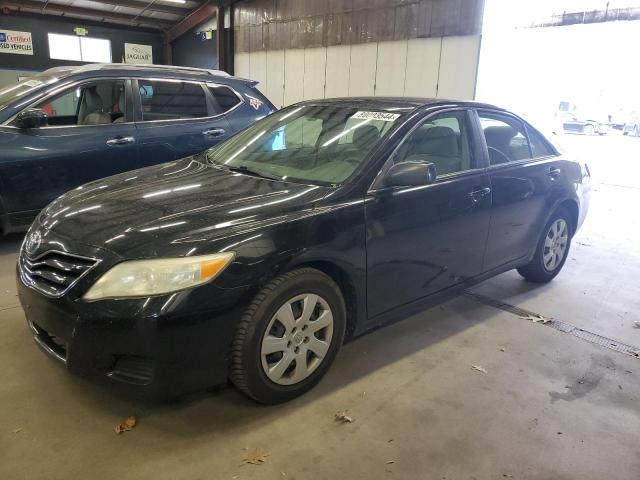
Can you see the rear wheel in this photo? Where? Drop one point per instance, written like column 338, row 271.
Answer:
column 552, row 249
column 288, row 337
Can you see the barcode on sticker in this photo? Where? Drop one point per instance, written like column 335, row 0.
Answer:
column 384, row 116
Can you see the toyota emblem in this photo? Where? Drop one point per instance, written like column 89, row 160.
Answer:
column 33, row 242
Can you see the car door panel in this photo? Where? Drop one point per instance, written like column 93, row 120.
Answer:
column 423, row 240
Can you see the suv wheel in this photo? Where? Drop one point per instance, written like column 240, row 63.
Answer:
column 288, row 337
column 552, row 249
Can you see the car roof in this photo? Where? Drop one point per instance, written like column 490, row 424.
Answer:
column 402, row 103
column 157, row 70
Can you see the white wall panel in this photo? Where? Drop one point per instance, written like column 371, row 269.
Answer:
column 274, row 88
column 293, row 76
column 423, row 58
column 423, row 67
column 362, row 71
column 391, row 67
column 337, row 78
column 459, row 67
column 241, row 65
column 315, row 62
column 258, row 67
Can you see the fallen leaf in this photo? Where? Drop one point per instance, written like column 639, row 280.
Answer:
column 127, row 425
column 16, row 430
column 633, row 353
column 257, row 456
column 502, row 349
column 342, row 417
column 636, row 323
column 479, row 368
column 535, row 318
column 507, row 475
column 390, row 462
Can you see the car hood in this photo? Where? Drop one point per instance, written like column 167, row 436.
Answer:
column 172, row 204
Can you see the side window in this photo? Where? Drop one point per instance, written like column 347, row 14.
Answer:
column 98, row 103
column 442, row 140
column 506, row 138
column 224, row 97
column 171, row 100
column 539, row 147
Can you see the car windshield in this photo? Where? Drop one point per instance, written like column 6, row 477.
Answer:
column 12, row 92
column 312, row 144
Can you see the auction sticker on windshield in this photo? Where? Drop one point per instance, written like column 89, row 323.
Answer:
column 384, row 116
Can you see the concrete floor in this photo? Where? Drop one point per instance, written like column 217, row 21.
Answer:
column 551, row 406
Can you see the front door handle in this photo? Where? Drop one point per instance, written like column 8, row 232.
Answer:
column 214, row 132
column 478, row 193
column 120, row 141
column 554, row 172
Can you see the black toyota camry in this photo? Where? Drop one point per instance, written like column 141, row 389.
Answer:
column 253, row 260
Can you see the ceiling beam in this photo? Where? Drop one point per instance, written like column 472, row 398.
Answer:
column 200, row 15
column 98, row 15
column 145, row 5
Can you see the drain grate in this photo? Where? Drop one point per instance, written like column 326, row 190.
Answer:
column 559, row 325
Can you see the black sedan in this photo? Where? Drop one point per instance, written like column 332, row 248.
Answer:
column 254, row 260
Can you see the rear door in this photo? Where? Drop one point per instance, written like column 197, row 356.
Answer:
column 523, row 176
column 90, row 135
column 175, row 119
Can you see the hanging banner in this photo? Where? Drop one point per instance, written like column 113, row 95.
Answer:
column 134, row 53
column 18, row 43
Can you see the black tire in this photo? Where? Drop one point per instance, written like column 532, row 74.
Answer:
column 246, row 370
column 536, row 271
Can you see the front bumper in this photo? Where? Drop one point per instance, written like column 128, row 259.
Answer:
column 159, row 347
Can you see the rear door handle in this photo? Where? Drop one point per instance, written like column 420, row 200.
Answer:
column 120, row 141
column 214, row 132
column 478, row 193
column 554, row 172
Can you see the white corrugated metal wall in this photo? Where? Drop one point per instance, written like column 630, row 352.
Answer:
column 443, row 67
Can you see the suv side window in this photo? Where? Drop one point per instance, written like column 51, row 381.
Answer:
column 539, row 146
column 95, row 103
column 442, row 140
column 505, row 136
column 171, row 100
column 224, row 97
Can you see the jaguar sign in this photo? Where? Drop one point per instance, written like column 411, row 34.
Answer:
column 135, row 53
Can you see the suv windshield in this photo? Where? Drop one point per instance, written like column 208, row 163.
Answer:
column 313, row 144
column 12, row 92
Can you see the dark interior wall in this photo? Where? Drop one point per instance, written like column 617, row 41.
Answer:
column 40, row 26
column 283, row 24
column 190, row 51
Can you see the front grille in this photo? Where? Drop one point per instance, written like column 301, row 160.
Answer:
column 54, row 273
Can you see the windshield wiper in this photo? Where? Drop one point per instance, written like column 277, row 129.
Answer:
column 248, row 171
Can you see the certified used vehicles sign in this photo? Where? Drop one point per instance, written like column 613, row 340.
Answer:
column 19, row 43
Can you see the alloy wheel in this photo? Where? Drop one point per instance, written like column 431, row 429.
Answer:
column 297, row 339
column 555, row 244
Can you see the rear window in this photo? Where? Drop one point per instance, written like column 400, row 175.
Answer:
column 224, row 97
column 171, row 100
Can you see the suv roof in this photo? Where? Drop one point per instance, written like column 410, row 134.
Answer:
column 119, row 67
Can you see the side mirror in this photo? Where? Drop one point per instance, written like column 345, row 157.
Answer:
column 410, row 174
column 31, row 118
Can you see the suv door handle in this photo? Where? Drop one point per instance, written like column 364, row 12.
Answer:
column 214, row 132
column 120, row 141
column 478, row 193
column 554, row 172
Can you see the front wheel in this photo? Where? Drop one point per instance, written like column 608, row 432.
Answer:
column 552, row 249
column 288, row 337
column 589, row 129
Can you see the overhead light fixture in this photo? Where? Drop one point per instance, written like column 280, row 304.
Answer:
column 175, row 1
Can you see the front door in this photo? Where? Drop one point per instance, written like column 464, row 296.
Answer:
column 89, row 136
column 421, row 240
column 175, row 119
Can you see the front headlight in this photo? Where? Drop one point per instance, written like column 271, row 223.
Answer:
column 142, row 278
